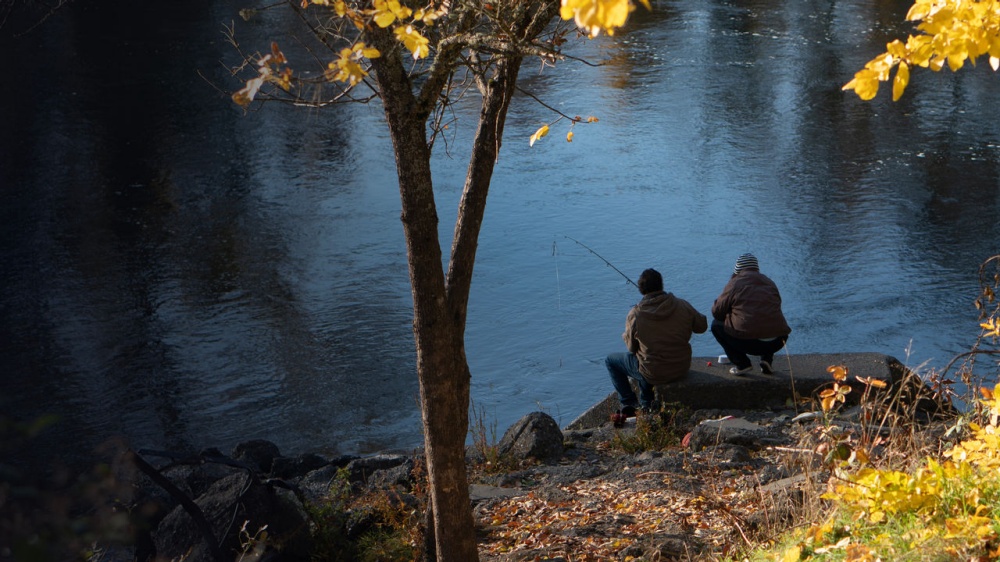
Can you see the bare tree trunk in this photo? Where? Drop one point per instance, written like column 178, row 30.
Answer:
column 441, row 364
column 439, row 306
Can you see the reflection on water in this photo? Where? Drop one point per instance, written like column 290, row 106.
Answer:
column 189, row 276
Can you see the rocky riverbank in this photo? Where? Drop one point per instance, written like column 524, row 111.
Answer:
column 733, row 479
column 686, row 484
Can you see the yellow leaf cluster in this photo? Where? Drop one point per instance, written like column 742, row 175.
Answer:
column 594, row 16
column 384, row 13
column 413, row 40
column 831, row 396
column 992, row 327
column 960, row 492
column 953, row 31
column 348, row 68
column 388, row 11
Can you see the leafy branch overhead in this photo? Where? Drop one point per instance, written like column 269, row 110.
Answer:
column 953, row 31
column 439, row 37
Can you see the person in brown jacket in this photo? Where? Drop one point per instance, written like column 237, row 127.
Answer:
column 747, row 318
column 657, row 334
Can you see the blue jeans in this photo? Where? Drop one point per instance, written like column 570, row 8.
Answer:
column 737, row 349
column 625, row 366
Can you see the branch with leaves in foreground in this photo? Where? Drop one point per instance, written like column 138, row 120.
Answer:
column 346, row 24
column 953, row 31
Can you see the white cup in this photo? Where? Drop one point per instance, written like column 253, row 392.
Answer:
column 723, row 360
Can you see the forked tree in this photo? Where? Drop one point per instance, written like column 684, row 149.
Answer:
column 417, row 60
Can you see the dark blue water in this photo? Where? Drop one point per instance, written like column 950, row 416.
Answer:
column 182, row 274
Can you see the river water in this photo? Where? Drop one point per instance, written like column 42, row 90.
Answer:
column 184, row 275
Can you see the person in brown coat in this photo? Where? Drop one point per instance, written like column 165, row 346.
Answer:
column 657, row 334
column 747, row 318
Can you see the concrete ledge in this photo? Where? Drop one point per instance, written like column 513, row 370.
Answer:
column 795, row 376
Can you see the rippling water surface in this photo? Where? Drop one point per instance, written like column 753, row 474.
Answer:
column 184, row 275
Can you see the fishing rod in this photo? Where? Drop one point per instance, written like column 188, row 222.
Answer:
column 600, row 257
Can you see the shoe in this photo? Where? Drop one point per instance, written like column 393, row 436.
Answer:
column 618, row 418
column 765, row 367
column 740, row 372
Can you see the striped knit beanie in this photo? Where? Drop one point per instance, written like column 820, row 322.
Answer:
column 746, row 261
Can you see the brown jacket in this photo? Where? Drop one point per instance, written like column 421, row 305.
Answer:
column 658, row 331
column 750, row 307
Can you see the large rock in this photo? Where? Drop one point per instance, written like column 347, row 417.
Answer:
column 730, row 431
column 258, row 453
column 536, row 435
column 228, row 505
column 362, row 470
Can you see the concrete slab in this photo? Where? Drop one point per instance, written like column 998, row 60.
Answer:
column 795, row 376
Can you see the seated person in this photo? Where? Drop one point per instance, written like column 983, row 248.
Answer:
column 657, row 334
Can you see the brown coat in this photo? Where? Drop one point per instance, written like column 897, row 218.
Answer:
column 658, row 331
column 750, row 307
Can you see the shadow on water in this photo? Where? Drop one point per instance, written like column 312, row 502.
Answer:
column 186, row 275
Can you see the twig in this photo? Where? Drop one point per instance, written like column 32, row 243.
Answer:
column 792, row 450
column 968, row 353
column 644, row 474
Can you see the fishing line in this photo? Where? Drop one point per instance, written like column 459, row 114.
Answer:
column 555, row 254
column 600, row 257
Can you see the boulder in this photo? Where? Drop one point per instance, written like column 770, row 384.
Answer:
column 228, row 505
column 536, row 435
column 732, row 431
column 258, row 453
column 362, row 470
column 297, row 467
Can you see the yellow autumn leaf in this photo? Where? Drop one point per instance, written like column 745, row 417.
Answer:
column 902, row 79
column 362, row 50
column 347, row 68
column 865, row 84
column 827, row 403
column 388, row 11
column 541, row 132
column 427, row 15
column 384, row 19
column 569, row 136
column 872, row 381
column 839, row 372
column 413, row 41
column 793, row 554
column 594, row 16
